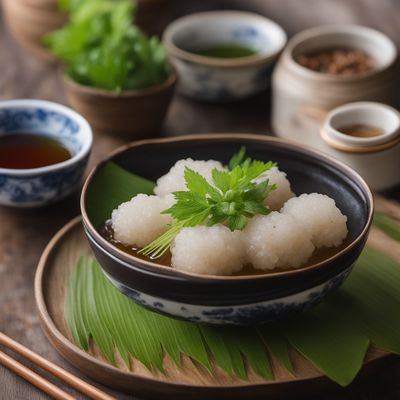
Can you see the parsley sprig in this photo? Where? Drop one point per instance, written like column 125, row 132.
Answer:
column 100, row 46
column 232, row 198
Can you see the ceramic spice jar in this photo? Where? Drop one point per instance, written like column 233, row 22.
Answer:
column 302, row 96
column 371, row 144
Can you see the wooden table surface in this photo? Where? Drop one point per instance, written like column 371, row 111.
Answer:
column 24, row 234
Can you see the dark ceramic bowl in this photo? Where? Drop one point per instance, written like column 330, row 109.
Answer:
column 244, row 299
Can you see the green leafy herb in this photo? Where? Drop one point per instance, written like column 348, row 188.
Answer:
column 101, row 47
column 237, row 158
column 232, row 198
column 68, row 5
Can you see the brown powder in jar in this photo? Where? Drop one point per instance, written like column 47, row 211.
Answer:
column 361, row 130
column 337, row 61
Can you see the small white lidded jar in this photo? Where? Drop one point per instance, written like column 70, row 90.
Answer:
column 366, row 136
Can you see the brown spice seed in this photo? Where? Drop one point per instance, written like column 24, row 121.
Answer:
column 339, row 61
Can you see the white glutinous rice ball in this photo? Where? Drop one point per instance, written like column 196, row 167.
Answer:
column 139, row 221
column 318, row 214
column 211, row 250
column 282, row 193
column 276, row 241
column 174, row 180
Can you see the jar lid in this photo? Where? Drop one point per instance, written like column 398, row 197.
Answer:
column 362, row 127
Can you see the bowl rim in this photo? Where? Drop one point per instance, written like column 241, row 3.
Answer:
column 49, row 105
column 110, row 94
column 166, row 270
column 253, row 60
column 349, row 29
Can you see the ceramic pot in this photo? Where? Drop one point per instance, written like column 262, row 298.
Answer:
column 223, row 79
column 302, row 97
column 131, row 113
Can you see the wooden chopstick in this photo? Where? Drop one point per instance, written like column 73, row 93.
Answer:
column 34, row 378
column 54, row 369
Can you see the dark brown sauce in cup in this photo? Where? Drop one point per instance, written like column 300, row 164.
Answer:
column 30, row 150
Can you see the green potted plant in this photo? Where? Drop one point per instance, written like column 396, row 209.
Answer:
column 30, row 20
column 114, row 75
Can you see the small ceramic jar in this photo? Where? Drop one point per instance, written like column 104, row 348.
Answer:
column 223, row 79
column 375, row 158
column 302, row 97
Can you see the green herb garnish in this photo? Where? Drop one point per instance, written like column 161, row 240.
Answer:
column 68, row 5
column 101, row 47
column 232, row 198
column 238, row 158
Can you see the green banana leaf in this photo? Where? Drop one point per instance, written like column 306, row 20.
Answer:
column 334, row 336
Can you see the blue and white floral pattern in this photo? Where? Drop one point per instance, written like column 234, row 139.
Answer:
column 221, row 84
column 40, row 120
column 238, row 314
column 245, row 33
column 41, row 189
column 41, row 186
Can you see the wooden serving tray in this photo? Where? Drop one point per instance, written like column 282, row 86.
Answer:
column 191, row 381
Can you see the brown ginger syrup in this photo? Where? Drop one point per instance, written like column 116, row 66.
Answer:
column 30, row 150
column 361, row 130
column 319, row 255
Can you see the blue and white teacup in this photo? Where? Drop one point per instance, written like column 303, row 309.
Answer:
column 223, row 79
column 44, row 185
